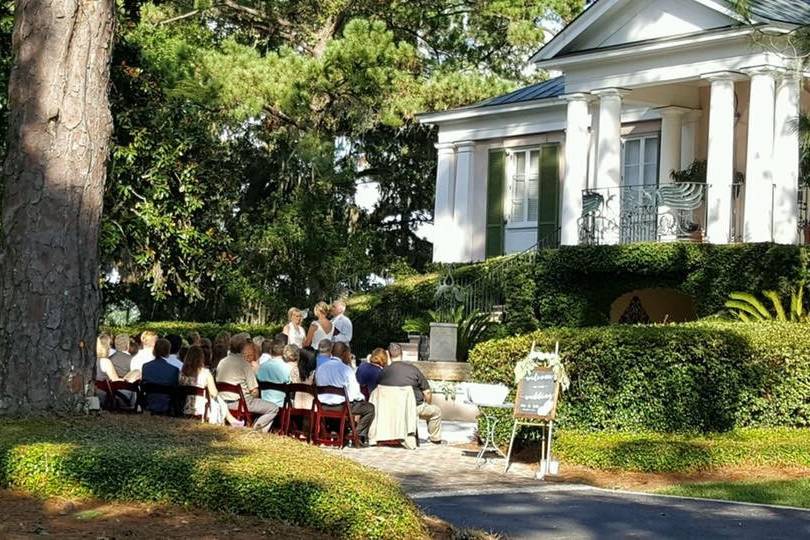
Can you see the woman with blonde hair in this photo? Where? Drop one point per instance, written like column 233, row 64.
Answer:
column 293, row 330
column 321, row 328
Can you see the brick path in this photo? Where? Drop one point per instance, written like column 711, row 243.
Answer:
column 432, row 468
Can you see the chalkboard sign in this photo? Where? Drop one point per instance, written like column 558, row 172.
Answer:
column 537, row 394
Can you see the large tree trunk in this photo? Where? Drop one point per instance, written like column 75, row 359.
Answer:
column 59, row 131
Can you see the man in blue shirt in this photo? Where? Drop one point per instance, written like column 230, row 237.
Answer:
column 160, row 371
column 324, row 353
column 274, row 370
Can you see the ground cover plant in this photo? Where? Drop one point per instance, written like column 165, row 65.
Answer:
column 157, row 459
column 780, row 492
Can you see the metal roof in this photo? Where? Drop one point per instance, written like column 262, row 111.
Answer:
column 788, row 11
column 546, row 89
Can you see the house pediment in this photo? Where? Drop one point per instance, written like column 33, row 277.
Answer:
column 614, row 23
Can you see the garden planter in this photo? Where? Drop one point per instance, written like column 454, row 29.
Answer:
column 443, row 340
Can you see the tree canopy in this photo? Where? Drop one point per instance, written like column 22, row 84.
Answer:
column 244, row 128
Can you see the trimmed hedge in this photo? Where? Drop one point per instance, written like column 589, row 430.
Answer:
column 657, row 452
column 209, row 467
column 696, row 377
column 183, row 328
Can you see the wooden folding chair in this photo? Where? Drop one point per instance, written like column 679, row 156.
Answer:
column 280, row 421
column 306, row 416
column 241, row 411
column 322, row 435
column 185, row 391
column 113, row 391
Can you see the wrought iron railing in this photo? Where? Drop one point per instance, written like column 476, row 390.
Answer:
column 643, row 213
column 485, row 291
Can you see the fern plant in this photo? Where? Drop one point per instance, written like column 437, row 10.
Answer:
column 748, row 307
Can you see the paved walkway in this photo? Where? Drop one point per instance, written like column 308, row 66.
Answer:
column 445, row 482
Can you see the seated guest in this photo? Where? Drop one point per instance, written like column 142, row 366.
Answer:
column 369, row 372
column 250, row 352
column 233, row 369
column 194, row 373
column 324, row 353
column 406, row 374
column 134, row 346
column 275, row 370
column 307, row 362
column 121, row 358
column 394, row 353
column 336, row 371
column 300, row 361
column 282, row 337
column 206, row 346
column 148, row 339
column 194, row 338
column 160, row 371
column 267, row 346
column 174, row 354
column 218, row 352
column 105, row 370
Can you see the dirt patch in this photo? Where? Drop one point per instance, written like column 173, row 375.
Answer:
column 640, row 481
column 25, row 517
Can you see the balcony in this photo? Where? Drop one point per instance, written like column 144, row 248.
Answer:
column 644, row 214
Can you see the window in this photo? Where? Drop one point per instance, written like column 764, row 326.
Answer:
column 524, row 186
column 640, row 161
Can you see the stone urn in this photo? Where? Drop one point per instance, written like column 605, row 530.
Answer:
column 443, row 341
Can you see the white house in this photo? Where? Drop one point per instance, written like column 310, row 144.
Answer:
column 647, row 87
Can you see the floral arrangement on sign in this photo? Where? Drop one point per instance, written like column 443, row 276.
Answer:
column 536, row 359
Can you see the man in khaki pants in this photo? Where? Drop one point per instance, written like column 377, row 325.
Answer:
column 406, row 374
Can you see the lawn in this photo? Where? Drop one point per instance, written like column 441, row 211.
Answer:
column 780, row 492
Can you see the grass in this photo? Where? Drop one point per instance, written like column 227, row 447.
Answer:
column 664, row 452
column 152, row 459
column 780, row 492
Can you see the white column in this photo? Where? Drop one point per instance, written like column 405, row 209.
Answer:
column 671, row 131
column 786, row 159
column 720, row 157
column 688, row 138
column 576, row 167
column 463, row 208
column 759, row 154
column 609, row 160
column 443, row 209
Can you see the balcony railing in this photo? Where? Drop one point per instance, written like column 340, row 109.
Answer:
column 643, row 213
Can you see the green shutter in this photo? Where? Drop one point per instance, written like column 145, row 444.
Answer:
column 496, row 184
column 548, row 219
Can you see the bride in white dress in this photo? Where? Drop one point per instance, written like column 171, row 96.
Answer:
column 321, row 328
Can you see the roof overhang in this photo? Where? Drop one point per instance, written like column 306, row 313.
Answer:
column 593, row 13
column 467, row 113
column 658, row 45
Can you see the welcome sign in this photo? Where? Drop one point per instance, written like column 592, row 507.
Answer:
column 537, row 395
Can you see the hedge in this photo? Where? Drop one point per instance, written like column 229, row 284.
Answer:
column 684, row 453
column 695, row 377
column 209, row 467
column 183, row 328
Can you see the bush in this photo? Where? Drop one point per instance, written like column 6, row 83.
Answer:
column 696, row 377
column 157, row 459
column 576, row 285
column 183, row 328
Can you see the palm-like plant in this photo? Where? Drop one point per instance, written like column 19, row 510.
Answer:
column 747, row 307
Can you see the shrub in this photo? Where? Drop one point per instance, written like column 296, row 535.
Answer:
column 183, row 328
column 157, row 459
column 696, row 377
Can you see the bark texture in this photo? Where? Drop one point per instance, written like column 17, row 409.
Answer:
column 59, row 132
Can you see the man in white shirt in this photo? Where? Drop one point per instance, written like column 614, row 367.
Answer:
column 342, row 324
column 174, row 356
column 336, row 372
column 148, row 339
column 266, row 346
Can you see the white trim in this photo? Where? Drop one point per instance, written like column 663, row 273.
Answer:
column 475, row 112
column 677, row 42
column 573, row 30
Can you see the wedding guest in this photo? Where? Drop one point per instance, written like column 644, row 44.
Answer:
column 148, row 340
column 368, row 373
column 160, row 371
column 337, row 372
column 406, row 374
column 275, row 370
column 120, row 358
column 194, row 373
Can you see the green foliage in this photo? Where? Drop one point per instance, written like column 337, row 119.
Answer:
column 184, row 328
column 576, row 285
column 696, row 377
column 472, row 330
column 747, row 307
column 208, row 467
column 683, row 453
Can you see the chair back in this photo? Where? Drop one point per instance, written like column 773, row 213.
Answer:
column 184, row 391
column 278, row 387
column 241, row 412
column 175, row 406
column 113, row 392
column 306, row 416
column 321, row 434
